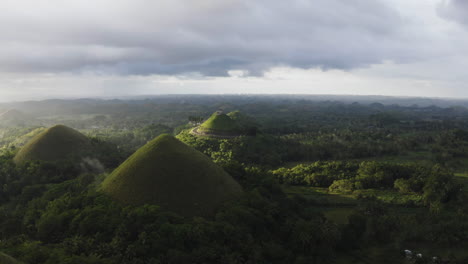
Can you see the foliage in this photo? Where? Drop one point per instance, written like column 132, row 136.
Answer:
column 72, row 223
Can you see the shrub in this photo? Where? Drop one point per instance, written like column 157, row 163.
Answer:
column 342, row 186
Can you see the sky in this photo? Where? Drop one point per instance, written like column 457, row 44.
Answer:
column 113, row 48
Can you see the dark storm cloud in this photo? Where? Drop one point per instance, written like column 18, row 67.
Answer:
column 455, row 10
column 144, row 37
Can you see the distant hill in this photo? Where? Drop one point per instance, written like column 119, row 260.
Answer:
column 5, row 259
column 12, row 114
column 247, row 124
column 168, row 173
column 56, row 143
column 14, row 117
column 229, row 125
column 219, row 122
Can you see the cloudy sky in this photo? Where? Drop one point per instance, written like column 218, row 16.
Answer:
column 84, row 48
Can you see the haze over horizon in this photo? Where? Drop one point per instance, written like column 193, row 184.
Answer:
column 72, row 49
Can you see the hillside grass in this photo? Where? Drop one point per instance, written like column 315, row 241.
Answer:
column 53, row 144
column 168, row 173
column 219, row 123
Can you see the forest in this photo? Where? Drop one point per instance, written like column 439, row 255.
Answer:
column 315, row 179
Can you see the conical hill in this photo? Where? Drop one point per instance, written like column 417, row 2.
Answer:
column 219, row 123
column 54, row 144
column 177, row 177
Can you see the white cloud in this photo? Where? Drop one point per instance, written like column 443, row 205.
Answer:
column 207, row 36
column 77, row 48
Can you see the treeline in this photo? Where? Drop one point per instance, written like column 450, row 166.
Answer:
column 436, row 184
column 260, row 150
column 443, row 146
column 57, row 215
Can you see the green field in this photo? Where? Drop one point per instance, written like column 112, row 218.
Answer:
column 323, row 197
column 337, row 207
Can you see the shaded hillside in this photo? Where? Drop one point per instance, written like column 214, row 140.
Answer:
column 169, row 173
column 247, row 124
column 5, row 259
column 56, row 143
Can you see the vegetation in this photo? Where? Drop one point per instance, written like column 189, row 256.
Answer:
column 323, row 181
column 168, row 173
column 56, row 143
column 5, row 259
column 219, row 124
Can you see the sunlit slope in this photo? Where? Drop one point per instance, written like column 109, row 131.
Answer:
column 173, row 175
column 56, row 143
column 219, row 122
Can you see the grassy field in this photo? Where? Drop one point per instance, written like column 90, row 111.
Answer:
column 337, row 207
column 462, row 176
column 323, row 197
column 421, row 157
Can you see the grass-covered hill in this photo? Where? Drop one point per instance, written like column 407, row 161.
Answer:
column 247, row 124
column 54, row 144
column 220, row 123
column 168, row 173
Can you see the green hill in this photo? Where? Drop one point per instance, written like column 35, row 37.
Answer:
column 173, row 175
column 56, row 143
column 247, row 124
column 219, row 123
column 5, row 259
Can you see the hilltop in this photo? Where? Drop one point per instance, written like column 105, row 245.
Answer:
column 247, row 124
column 53, row 144
column 221, row 125
column 168, row 173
